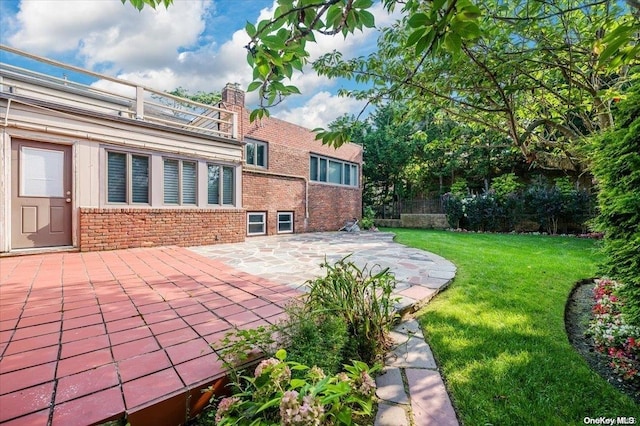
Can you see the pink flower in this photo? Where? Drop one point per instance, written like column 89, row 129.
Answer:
column 265, row 365
column 224, row 406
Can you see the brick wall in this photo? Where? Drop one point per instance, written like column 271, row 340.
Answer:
column 111, row 229
column 273, row 194
column 331, row 206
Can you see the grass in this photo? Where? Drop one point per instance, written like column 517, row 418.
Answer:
column 498, row 332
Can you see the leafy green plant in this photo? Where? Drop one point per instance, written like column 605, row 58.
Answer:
column 460, row 188
column 363, row 299
column 311, row 337
column 315, row 338
column 505, row 184
column 367, row 221
column 271, row 396
column 453, row 209
column 482, row 212
column 612, row 335
column 545, row 204
column 504, row 207
column 237, row 345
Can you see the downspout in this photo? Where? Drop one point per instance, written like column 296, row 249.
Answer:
column 6, row 115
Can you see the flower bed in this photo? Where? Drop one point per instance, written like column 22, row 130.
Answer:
column 612, row 335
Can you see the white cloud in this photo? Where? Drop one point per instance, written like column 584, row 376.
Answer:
column 107, row 32
column 320, row 110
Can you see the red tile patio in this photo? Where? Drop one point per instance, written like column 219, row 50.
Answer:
column 88, row 337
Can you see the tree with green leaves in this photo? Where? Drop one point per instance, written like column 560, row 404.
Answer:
column 207, row 98
column 532, row 74
column 541, row 72
column 388, row 148
column 187, row 110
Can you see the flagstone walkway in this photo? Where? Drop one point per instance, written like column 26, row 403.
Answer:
column 293, row 259
column 89, row 337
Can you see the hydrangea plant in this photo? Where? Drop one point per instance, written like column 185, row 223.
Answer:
column 271, row 397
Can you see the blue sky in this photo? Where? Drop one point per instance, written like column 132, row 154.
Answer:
column 195, row 44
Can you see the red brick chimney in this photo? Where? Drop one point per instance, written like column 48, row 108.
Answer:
column 232, row 94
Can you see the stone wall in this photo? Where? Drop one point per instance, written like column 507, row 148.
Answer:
column 428, row 221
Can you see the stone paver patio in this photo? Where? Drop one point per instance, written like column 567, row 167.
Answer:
column 294, row 259
column 88, row 337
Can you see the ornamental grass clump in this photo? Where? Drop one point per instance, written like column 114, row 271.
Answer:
column 363, row 298
column 612, row 335
column 272, row 397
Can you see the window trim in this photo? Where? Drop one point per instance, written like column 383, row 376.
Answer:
column 256, row 143
column 291, row 215
column 128, row 178
column 322, row 174
column 264, row 223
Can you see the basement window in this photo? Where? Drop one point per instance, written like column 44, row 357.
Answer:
column 285, row 222
column 256, row 223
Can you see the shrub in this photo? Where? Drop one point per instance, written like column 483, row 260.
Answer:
column 513, row 211
column 616, row 166
column 316, row 338
column 505, row 185
column 545, row 204
column 453, row 209
column 363, row 299
column 483, row 212
column 346, row 315
column 459, row 188
column 271, row 396
column 503, row 209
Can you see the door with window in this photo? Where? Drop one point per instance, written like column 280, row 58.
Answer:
column 40, row 194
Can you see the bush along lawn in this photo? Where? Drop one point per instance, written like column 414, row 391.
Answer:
column 498, row 332
column 319, row 362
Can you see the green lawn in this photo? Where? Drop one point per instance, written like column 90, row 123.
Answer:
column 498, row 331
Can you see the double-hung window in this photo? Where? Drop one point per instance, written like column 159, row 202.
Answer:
column 256, row 223
column 255, row 153
column 180, row 182
column 285, row 222
column 220, row 185
column 127, row 178
column 333, row 171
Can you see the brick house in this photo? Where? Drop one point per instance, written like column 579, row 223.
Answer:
column 112, row 165
column 292, row 182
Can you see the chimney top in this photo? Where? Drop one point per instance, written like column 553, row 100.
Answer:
column 233, row 94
